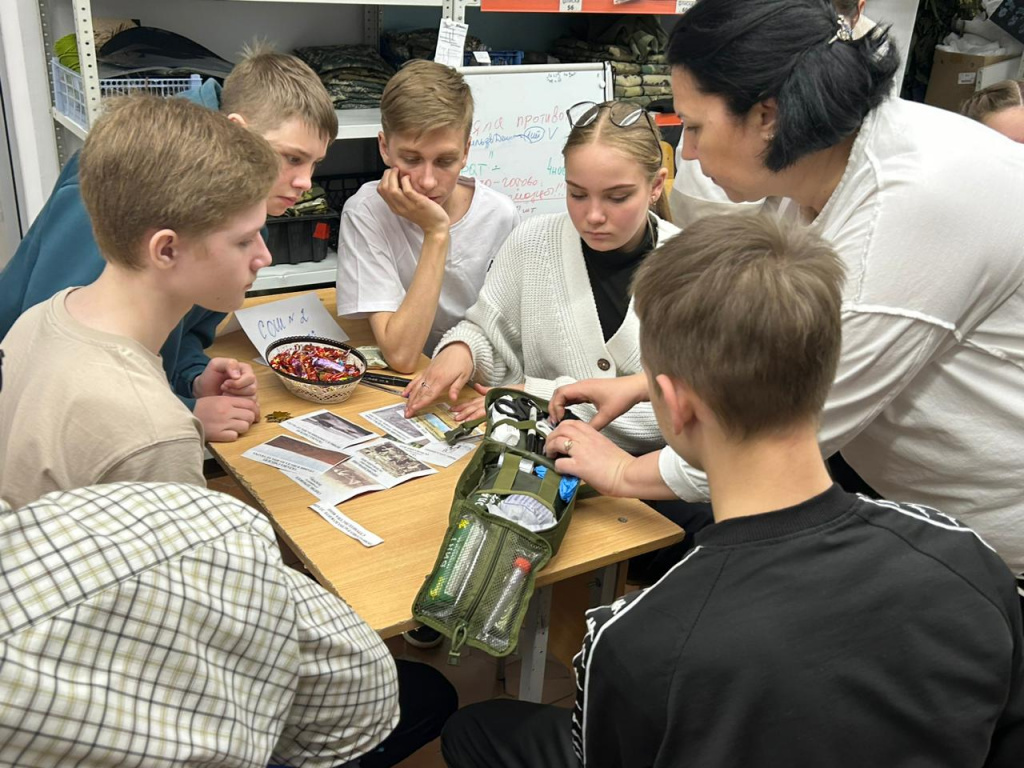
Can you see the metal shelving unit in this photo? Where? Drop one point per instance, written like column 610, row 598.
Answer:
column 352, row 124
column 362, row 123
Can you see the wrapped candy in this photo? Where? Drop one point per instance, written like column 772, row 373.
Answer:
column 313, row 362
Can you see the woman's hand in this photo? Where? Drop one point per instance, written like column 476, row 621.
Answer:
column 579, row 449
column 474, row 409
column 612, row 397
column 446, row 374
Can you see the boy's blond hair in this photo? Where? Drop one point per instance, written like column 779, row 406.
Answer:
column 995, row 98
column 267, row 88
column 746, row 311
column 424, row 96
column 152, row 163
column 640, row 141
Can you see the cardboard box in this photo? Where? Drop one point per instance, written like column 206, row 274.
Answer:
column 955, row 76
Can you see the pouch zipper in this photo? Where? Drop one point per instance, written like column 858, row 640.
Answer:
column 461, row 633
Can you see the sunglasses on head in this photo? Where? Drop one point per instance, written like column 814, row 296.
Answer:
column 620, row 113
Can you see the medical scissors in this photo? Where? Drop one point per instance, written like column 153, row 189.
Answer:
column 518, row 408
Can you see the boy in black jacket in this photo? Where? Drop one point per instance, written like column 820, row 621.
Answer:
column 808, row 627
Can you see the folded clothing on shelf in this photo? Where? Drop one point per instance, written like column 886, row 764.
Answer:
column 354, row 75
column 399, row 47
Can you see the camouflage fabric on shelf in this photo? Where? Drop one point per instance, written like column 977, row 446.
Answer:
column 631, row 92
column 354, row 75
column 326, row 59
column 628, row 81
column 655, row 69
column 399, row 47
column 628, row 39
column 657, row 80
column 626, row 68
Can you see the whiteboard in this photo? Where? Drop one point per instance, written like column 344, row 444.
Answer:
column 520, row 127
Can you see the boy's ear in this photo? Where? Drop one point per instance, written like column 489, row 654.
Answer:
column 162, row 248
column 382, row 145
column 237, row 118
column 679, row 402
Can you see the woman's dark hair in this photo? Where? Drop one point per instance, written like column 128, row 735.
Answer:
column 746, row 51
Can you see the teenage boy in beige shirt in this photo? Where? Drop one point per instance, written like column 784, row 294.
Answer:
column 177, row 196
column 274, row 94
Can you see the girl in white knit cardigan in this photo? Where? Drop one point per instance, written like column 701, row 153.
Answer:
column 555, row 307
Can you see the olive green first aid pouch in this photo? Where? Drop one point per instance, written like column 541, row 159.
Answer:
column 480, row 587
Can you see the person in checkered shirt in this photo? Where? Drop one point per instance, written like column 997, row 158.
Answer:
column 156, row 625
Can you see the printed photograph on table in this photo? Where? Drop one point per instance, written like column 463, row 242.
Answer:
column 293, row 455
column 387, row 462
column 393, row 459
column 328, row 430
column 392, row 420
column 423, row 430
column 343, row 481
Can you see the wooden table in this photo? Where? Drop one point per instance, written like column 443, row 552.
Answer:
column 381, row 582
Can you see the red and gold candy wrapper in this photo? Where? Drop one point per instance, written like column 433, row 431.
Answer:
column 312, row 362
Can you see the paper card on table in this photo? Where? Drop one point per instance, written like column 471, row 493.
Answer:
column 451, row 42
column 440, row 454
column 291, row 455
column 328, row 430
column 346, row 525
column 301, row 315
column 392, row 420
column 388, row 463
column 313, row 482
column 427, row 427
column 374, row 466
column 440, row 414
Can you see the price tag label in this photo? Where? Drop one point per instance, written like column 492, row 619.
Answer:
column 570, row 6
column 682, row 6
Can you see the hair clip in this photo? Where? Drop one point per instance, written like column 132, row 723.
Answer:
column 844, row 32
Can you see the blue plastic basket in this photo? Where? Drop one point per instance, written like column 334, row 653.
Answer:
column 498, row 58
column 69, row 93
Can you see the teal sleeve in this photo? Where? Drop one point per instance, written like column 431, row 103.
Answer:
column 58, row 251
column 184, row 353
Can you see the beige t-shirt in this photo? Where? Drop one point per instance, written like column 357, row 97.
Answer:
column 80, row 407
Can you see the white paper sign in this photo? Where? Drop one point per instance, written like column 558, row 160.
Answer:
column 570, row 6
column 451, row 42
column 346, row 525
column 682, row 6
column 298, row 316
column 482, row 57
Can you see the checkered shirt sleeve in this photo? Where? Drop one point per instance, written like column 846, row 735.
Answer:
column 155, row 625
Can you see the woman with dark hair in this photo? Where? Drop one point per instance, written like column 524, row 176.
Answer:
column 693, row 195
column 778, row 100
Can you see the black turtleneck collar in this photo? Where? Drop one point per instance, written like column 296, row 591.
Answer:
column 611, row 273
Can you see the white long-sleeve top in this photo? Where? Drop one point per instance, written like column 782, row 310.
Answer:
column 536, row 322
column 928, row 402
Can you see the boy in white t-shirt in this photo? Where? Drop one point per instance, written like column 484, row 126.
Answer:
column 415, row 246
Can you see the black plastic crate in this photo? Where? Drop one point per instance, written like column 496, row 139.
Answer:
column 341, row 187
column 298, row 239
